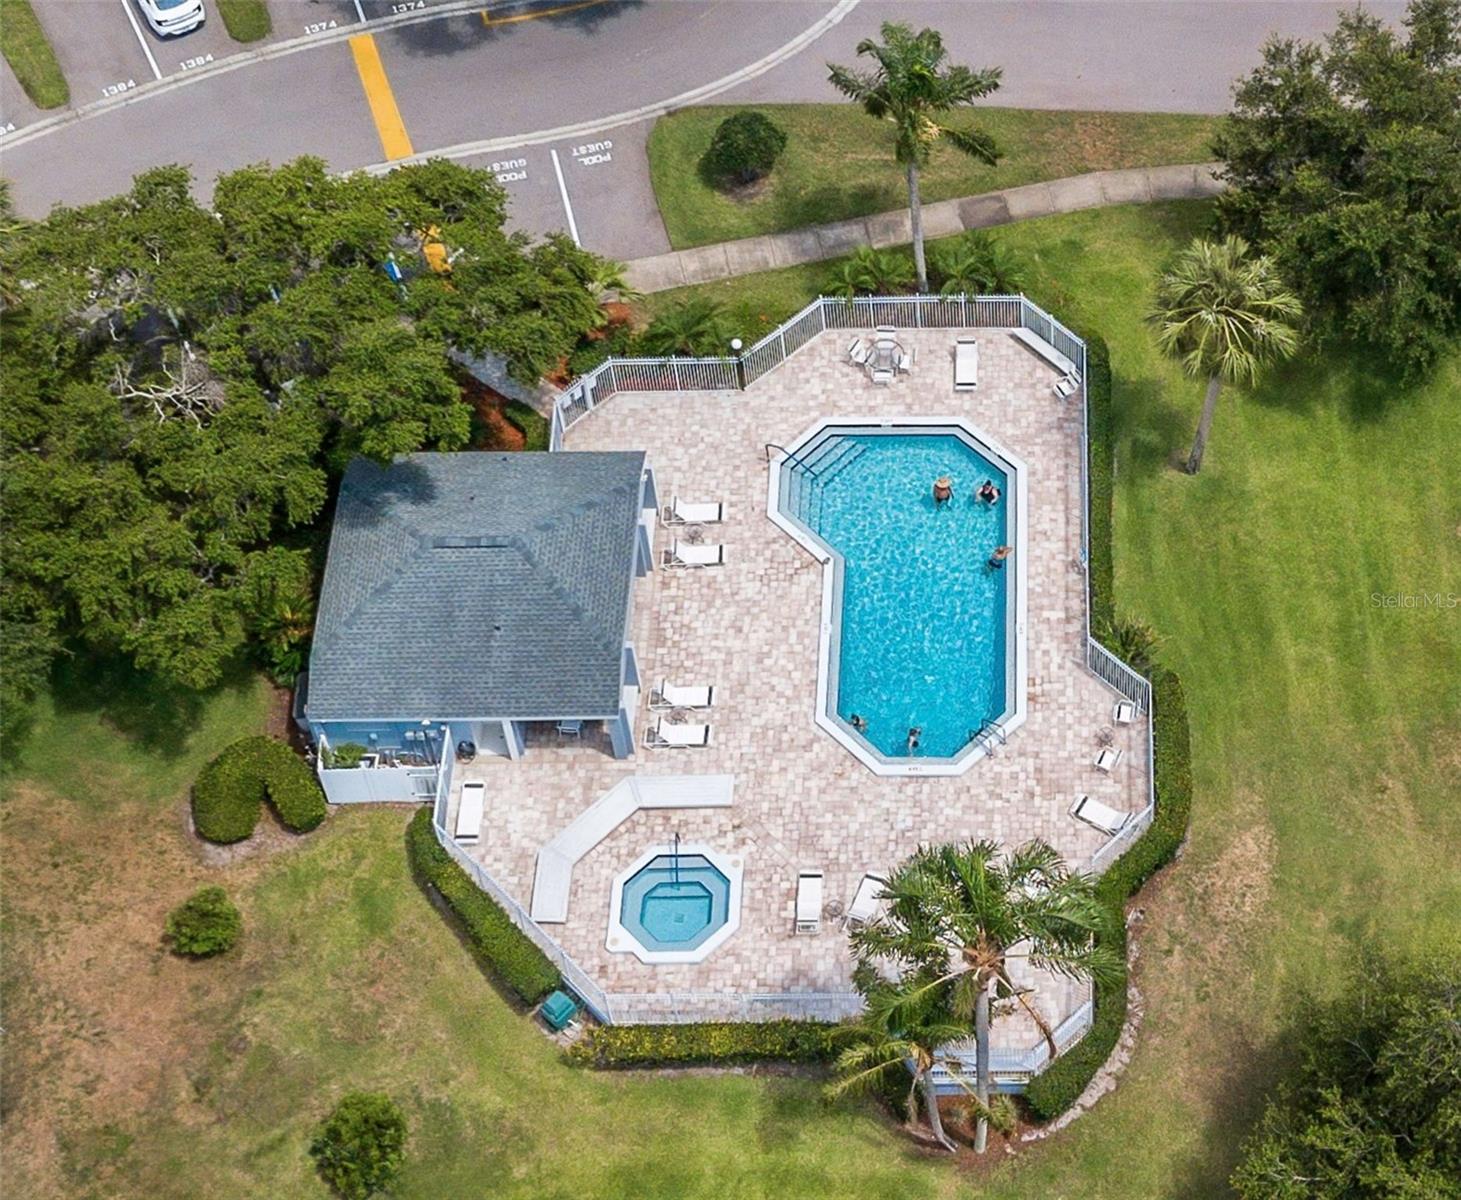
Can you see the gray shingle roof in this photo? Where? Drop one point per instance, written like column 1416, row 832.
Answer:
column 477, row 585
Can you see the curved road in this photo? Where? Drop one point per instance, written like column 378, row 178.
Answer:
column 558, row 97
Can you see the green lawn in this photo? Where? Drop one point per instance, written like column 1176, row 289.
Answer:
column 838, row 162
column 245, row 20
column 24, row 44
column 1327, row 739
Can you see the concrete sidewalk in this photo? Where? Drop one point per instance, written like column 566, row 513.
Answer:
column 941, row 219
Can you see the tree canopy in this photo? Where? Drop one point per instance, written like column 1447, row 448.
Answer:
column 1373, row 1108
column 1345, row 165
column 181, row 385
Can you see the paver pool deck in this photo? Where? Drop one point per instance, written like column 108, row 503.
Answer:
column 801, row 801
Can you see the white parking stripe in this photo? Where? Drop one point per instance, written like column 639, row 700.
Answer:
column 141, row 41
column 563, row 191
column 359, row 12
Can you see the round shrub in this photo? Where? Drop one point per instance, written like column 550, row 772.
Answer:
column 361, row 1145
column 229, row 791
column 205, row 924
column 744, row 148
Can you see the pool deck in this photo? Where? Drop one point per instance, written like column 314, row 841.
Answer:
column 750, row 628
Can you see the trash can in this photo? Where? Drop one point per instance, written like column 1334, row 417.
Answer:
column 557, row 1010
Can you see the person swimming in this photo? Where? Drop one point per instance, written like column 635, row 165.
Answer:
column 858, row 722
column 913, row 736
column 996, row 560
column 987, row 492
column 943, row 491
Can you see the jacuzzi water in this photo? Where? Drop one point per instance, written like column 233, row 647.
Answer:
column 675, row 903
column 923, row 621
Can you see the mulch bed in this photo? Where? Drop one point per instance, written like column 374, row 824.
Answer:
column 491, row 430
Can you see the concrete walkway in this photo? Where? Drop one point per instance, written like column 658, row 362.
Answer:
column 724, row 260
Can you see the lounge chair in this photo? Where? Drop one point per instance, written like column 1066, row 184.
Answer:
column 809, row 902
column 469, row 812
column 882, row 378
column 1107, row 759
column 663, row 735
column 866, row 902
column 1124, row 713
column 1065, row 386
column 905, row 362
column 569, row 728
column 682, row 512
column 1099, row 816
column 857, row 352
column 689, row 554
column 966, row 365
column 667, row 695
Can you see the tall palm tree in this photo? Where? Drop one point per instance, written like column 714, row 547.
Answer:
column 1225, row 315
column 959, row 914
column 901, row 1029
column 913, row 87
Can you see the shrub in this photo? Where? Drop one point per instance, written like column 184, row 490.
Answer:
column 24, row 44
column 344, row 756
column 974, row 263
column 507, row 950
column 743, row 149
column 229, row 790
column 715, row 1042
column 1101, row 474
column 696, row 327
column 360, row 1146
column 869, row 272
column 205, row 924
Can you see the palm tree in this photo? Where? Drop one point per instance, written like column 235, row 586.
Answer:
column 1224, row 315
column 901, row 1029
column 912, row 87
column 694, row 328
column 957, row 916
column 975, row 263
column 870, row 272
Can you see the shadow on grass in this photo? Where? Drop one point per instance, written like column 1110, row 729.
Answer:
column 154, row 715
column 1358, row 380
column 1149, row 430
column 823, row 205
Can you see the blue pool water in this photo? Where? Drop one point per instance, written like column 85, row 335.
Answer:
column 671, row 904
column 923, row 618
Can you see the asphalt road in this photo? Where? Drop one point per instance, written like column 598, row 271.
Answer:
column 578, row 83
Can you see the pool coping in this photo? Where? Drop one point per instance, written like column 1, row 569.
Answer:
column 829, row 630
column 732, row 866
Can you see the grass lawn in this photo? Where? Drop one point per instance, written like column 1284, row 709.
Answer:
column 1327, row 739
column 838, row 162
column 245, row 20
column 24, row 44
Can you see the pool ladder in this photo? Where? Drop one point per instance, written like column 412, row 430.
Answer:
column 989, row 730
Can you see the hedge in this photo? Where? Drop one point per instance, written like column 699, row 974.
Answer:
column 230, row 790
column 1058, row 1087
column 510, row 954
column 718, row 1043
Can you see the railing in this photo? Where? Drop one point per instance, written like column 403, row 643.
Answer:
column 680, row 1008
column 1016, row 1066
column 1115, row 673
column 573, row 975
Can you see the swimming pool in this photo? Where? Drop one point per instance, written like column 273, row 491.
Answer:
column 675, row 906
column 919, row 631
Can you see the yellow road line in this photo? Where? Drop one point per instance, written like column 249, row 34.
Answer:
column 393, row 137
column 489, row 19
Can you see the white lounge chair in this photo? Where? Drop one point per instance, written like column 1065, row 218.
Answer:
column 809, row 902
column 663, row 735
column 469, row 812
column 1066, row 386
column 866, row 902
column 690, row 554
column 1099, row 816
column 966, row 365
column 857, row 352
column 682, row 512
column 667, row 695
column 1124, row 713
column 1107, row 759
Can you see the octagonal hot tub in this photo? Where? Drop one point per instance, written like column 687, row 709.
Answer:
column 675, row 905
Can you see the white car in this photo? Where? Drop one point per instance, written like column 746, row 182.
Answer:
column 169, row 18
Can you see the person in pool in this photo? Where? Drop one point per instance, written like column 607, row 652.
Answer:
column 987, row 492
column 943, row 491
column 913, row 735
column 859, row 723
column 996, row 560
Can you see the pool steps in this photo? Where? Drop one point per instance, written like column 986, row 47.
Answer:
column 813, row 470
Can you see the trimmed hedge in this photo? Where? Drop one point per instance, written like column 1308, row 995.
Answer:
column 205, row 924
column 1057, row 1088
column 230, row 790
column 717, row 1043
column 512, row 956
